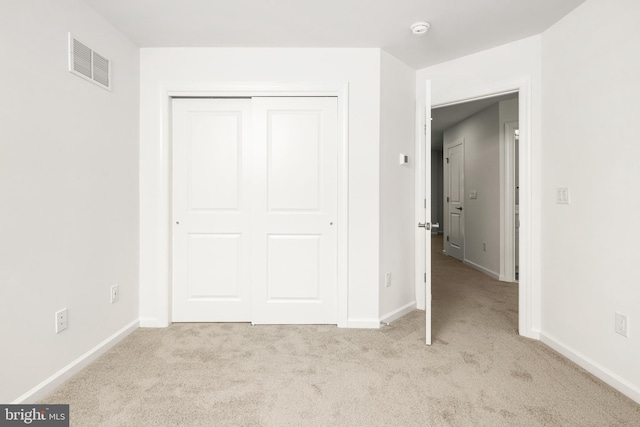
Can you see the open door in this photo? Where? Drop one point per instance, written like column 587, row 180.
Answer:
column 426, row 223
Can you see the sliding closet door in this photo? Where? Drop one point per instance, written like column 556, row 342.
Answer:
column 211, row 201
column 295, row 210
column 255, row 210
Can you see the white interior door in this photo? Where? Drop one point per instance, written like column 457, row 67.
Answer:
column 454, row 176
column 516, row 222
column 211, row 167
column 294, row 219
column 427, row 212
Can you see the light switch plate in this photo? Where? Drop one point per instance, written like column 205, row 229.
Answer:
column 562, row 195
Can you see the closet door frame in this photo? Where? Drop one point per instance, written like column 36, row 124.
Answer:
column 340, row 90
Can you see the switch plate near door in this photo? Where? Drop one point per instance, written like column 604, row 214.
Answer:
column 562, row 195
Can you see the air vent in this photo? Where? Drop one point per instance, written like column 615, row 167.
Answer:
column 89, row 64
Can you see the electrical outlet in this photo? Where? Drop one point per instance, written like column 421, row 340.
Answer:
column 621, row 324
column 62, row 320
column 387, row 280
column 115, row 293
column 484, row 246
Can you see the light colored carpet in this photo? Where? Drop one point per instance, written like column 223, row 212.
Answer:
column 477, row 373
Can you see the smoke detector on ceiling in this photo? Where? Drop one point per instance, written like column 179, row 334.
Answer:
column 420, row 28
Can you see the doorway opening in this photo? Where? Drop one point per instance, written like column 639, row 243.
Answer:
column 475, row 183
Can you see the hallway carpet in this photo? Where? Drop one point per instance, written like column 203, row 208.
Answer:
column 478, row 372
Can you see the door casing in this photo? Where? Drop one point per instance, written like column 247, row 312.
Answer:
column 171, row 90
column 529, row 282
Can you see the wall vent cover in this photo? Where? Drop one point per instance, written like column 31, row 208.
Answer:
column 89, row 64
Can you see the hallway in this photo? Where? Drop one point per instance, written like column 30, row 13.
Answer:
column 461, row 294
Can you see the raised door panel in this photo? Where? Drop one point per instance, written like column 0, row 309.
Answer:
column 214, row 160
column 294, row 159
column 455, row 194
column 455, row 235
column 294, row 268
column 214, row 267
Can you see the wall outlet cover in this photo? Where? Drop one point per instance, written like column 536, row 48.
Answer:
column 62, row 320
column 621, row 325
column 115, row 293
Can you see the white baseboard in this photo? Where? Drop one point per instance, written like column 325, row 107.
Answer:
column 482, row 269
column 149, row 322
column 614, row 380
column 363, row 323
column 55, row 380
column 534, row 334
column 396, row 314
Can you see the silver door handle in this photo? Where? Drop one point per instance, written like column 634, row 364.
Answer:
column 459, row 208
column 428, row 225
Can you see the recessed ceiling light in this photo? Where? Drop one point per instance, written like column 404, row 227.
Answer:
column 420, row 28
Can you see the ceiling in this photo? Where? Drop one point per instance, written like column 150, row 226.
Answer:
column 444, row 117
column 458, row 27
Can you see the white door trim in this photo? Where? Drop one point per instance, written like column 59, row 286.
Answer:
column 162, row 257
column 507, row 203
column 529, row 283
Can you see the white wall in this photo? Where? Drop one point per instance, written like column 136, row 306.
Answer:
column 68, row 191
column 591, row 109
column 481, row 174
column 202, row 67
column 508, row 113
column 397, row 196
column 489, row 72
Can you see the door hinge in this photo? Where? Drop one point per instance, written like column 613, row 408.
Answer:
column 425, row 277
column 447, row 159
column 447, row 238
column 425, row 203
column 447, row 199
column 425, row 129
